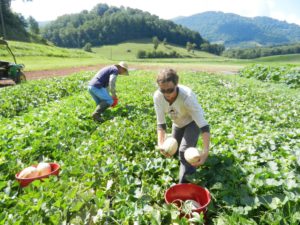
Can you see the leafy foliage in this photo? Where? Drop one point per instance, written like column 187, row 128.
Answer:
column 37, row 94
column 111, row 174
column 155, row 42
column 157, row 54
column 33, row 25
column 251, row 53
column 14, row 24
column 88, row 47
column 288, row 75
column 216, row 49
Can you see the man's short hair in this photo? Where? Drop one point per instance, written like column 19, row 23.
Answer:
column 167, row 75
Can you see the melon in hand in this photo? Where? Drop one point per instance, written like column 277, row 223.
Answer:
column 192, row 155
column 170, row 146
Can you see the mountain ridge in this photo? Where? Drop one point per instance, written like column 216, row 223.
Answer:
column 234, row 30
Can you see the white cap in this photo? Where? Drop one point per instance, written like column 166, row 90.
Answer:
column 124, row 66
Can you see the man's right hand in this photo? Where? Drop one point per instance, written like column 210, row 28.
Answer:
column 115, row 101
column 163, row 152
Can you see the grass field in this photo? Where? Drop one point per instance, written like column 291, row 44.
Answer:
column 41, row 57
column 282, row 59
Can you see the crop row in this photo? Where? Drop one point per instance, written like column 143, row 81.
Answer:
column 21, row 98
column 284, row 74
column 111, row 173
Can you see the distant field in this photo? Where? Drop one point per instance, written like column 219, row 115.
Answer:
column 41, row 57
column 129, row 50
column 292, row 58
column 23, row 49
column 33, row 63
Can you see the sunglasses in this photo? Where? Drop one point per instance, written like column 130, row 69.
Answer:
column 167, row 91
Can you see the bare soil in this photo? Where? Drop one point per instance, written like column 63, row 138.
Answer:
column 33, row 75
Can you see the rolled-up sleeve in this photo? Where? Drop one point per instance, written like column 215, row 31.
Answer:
column 112, row 84
column 158, row 106
column 196, row 111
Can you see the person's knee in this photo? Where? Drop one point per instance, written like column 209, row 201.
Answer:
column 104, row 104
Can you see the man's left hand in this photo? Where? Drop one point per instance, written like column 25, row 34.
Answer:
column 202, row 159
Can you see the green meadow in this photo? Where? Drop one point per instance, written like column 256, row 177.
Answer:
column 42, row 57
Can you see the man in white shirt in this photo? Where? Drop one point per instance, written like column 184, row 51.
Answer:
column 187, row 116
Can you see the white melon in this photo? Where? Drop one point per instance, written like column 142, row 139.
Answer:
column 29, row 172
column 192, row 155
column 43, row 168
column 170, row 146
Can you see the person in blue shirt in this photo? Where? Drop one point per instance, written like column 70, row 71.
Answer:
column 103, row 83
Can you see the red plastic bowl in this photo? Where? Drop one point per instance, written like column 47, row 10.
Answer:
column 182, row 192
column 26, row 181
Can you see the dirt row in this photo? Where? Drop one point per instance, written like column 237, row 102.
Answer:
column 33, row 75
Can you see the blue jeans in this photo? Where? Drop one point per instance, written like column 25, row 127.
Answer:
column 100, row 94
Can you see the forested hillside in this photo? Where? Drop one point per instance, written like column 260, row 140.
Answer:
column 13, row 26
column 233, row 30
column 110, row 25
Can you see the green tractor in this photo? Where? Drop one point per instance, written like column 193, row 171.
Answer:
column 9, row 70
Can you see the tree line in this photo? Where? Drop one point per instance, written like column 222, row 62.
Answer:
column 251, row 53
column 190, row 47
column 13, row 26
column 101, row 26
column 110, row 25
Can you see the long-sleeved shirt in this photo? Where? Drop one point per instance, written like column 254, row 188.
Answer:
column 106, row 78
column 182, row 111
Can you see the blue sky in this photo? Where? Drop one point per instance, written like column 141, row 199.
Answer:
column 45, row 10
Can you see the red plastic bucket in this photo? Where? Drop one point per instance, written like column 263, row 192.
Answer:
column 26, row 181
column 182, row 192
